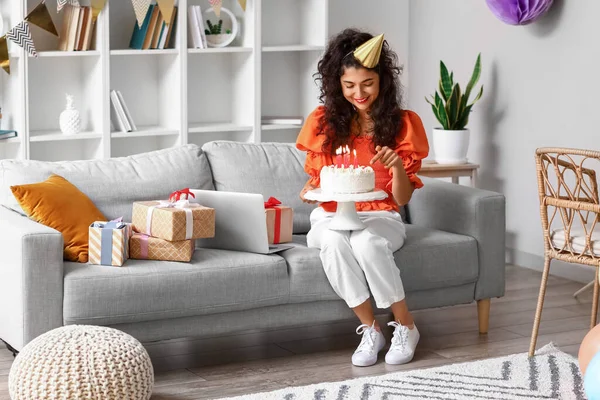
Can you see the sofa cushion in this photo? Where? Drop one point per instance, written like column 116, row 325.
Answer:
column 271, row 169
column 60, row 205
column 114, row 184
column 215, row 281
column 429, row 259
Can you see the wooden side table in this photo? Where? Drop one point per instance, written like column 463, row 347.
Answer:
column 454, row 171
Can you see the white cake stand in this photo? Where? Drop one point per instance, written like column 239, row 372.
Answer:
column 346, row 217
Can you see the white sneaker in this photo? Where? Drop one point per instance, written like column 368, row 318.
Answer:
column 371, row 343
column 404, row 343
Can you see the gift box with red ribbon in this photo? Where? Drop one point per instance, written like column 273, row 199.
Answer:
column 280, row 221
column 175, row 219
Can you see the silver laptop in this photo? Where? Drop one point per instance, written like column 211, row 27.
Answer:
column 240, row 222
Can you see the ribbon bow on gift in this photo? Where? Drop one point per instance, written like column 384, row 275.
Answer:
column 183, row 204
column 272, row 202
column 176, row 195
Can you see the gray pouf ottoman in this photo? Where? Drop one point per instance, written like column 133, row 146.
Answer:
column 82, row 362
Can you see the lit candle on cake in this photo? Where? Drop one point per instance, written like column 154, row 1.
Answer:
column 338, row 157
column 347, row 157
column 355, row 159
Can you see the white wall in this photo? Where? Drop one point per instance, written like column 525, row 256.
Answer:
column 541, row 88
column 367, row 14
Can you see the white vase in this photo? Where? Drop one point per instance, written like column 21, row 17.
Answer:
column 70, row 120
column 450, row 147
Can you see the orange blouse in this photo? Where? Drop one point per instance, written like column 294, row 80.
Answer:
column 412, row 147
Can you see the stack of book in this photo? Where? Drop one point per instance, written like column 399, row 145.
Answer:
column 7, row 134
column 282, row 120
column 155, row 32
column 121, row 117
column 77, row 29
column 197, row 35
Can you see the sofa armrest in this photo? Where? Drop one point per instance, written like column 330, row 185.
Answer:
column 31, row 278
column 467, row 211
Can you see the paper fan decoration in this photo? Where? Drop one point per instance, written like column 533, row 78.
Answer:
column 518, row 12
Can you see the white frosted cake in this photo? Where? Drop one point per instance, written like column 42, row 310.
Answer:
column 344, row 180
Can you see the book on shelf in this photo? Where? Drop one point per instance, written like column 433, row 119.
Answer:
column 282, row 120
column 155, row 33
column 4, row 134
column 121, row 115
column 77, row 29
column 196, row 32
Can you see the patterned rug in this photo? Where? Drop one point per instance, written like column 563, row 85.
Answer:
column 551, row 374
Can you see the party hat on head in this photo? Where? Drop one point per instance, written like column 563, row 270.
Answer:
column 369, row 52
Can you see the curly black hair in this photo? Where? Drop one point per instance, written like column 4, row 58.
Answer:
column 339, row 113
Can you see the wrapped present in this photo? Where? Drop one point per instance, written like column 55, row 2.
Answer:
column 108, row 242
column 280, row 221
column 173, row 220
column 144, row 247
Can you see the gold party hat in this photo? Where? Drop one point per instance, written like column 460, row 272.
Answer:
column 369, row 52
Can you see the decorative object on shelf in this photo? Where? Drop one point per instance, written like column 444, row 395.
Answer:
column 242, row 4
column 166, row 8
column 141, row 9
column 518, row 12
column 369, row 52
column 216, row 5
column 214, row 35
column 70, row 121
column 21, row 35
column 451, row 140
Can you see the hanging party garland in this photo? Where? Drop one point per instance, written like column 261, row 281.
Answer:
column 40, row 16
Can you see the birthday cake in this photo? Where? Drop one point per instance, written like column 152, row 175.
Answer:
column 347, row 179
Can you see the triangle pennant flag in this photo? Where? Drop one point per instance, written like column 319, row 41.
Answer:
column 216, row 5
column 243, row 4
column 97, row 7
column 61, row 3
column 40, row 16
column 166, row 8
column 141, row 9
column 4, row 58
column 21, row 35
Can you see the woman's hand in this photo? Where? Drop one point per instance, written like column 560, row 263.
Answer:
column 305, row 189
column 387, row 157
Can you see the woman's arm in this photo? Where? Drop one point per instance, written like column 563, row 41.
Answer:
column 402, row 187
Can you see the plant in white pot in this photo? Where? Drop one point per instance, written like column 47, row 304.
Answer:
column 219, row 34
column 451, row 107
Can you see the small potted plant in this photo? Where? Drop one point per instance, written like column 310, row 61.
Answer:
column 216, row 34
column 451, row 107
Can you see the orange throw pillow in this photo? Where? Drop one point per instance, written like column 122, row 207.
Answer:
column 57, row 203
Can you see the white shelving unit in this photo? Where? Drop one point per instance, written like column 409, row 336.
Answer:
column 176, row 96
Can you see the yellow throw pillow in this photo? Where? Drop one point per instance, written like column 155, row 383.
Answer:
column 57, row 203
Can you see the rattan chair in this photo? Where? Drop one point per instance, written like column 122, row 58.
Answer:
column 570, row 211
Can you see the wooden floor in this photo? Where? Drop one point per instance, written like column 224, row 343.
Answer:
column 257, row 362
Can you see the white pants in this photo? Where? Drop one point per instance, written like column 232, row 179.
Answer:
column 355, row 261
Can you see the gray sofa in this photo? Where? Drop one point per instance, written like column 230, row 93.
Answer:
column 454, row 252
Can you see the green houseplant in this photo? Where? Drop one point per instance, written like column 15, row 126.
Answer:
column 452, row 109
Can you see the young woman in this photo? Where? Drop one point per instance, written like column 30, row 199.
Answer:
column 360, row 92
